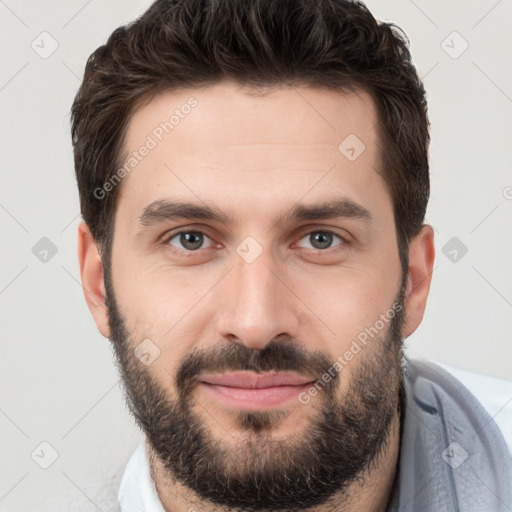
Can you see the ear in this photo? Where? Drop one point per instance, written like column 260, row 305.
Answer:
column 421, row 262
column 91, row 273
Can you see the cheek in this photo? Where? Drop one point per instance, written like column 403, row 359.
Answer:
column 165, row 305
column 360, row 312
column 159, row 303
column 349, row 302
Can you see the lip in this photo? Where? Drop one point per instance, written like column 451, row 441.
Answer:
column 251, row 380
column 254, row 391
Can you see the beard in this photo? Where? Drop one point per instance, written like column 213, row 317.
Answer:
column 343, row 438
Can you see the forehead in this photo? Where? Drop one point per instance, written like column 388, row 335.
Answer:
column 229, row 114
column 225, row 141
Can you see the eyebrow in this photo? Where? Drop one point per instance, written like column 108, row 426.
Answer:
column 165, row 210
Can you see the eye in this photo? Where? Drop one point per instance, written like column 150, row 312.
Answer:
column 321, row 240
column 188, row 240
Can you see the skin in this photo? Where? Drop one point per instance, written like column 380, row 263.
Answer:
column 254, row 157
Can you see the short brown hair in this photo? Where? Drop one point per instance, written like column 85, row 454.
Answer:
column 335, row 44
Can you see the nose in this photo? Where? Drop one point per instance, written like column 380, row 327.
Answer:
column 257, row 303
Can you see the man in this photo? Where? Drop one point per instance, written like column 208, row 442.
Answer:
column 253, row 181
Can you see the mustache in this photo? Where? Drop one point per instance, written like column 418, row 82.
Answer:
column 276, row 356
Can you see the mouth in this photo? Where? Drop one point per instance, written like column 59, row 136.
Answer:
column 254, row 391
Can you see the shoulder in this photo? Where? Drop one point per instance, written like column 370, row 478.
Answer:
column 480, row 401
column 493, row 393
column 453, row 454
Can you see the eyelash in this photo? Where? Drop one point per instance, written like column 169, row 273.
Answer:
column 167, row 238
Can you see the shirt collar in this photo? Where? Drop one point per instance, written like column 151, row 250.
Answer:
column 137, row 491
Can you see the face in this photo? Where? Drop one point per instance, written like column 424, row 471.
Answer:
column 255, row 295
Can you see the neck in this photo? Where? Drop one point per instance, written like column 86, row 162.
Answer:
column 369, row 493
